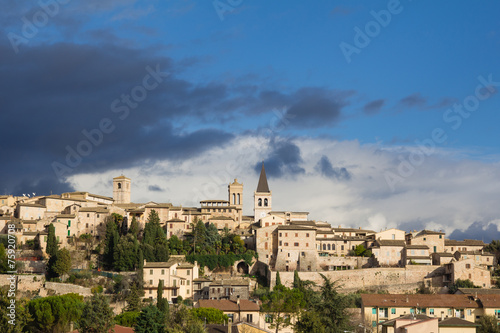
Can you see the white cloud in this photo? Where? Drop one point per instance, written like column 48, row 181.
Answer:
column 443, row 193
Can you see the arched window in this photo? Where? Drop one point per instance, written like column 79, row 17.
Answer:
column 333, row 247
column 265, row 202
column 329, row 248
column 234, row 198
column 119, row 186
column 259, row 202
column 239, row 199
column 324, row 247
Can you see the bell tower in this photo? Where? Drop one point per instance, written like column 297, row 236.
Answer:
column 262, row 197
column 121, row 189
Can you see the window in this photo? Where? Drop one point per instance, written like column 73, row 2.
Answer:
column 467, row 266
column 497, row 314
column 425, row 238
column 469, row 312
column 188, row 272
column 259, row 202
column 151, row 282
column 435, row 249
column 374, row 323
column 88, row 215
column 440, row 236
column 450, row 312
column 295, row 244
column 393, row 311
column 187, row 282
column 267, row 234
column 296, row 235
column 266, row 203
column 249, row 318
column 413, row 310
column 280, row 234
column 307, row 235
column 267, row 224
column 286, row 244
column 431, row 312
column 162, row 272
column 70, row 235
column 97, row 215
column 280, row 243
column 307, row 244
column 268, row 318
column 286, row 234
column 374, row 311
column 265, row 245
column 150, row 272
column 324, row 247
column 342, row 247
column 150, row 291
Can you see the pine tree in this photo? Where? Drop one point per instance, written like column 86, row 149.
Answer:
column 134, row 227
column 161, row 302
column 278, row 279
column 151, row 320
column 110, row 243
column 296, row 280
column 52, row 246
column 97, row 315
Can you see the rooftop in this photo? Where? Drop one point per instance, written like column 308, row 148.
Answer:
column 227, row 305
column 417, row 300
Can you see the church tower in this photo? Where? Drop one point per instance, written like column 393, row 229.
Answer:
column 262, row 197
column 121, row 190
column 235, row 192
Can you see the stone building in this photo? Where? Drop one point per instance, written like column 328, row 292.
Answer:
column 388, row 252
column 237, row 311
column 416, row 255
column 451, row 245
column 432, row 239
column 232, row 289
column 177, row 275
column 466, row 269
column 262, row 197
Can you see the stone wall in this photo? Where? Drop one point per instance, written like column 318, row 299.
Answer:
column 30, row 282
column 66, row 288
column 394, row 280
column 326, row 263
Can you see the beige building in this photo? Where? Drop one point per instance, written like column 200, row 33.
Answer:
column 433, row 239
column 296, row 248
column 391, row 234
column 237, row 311
column 464, row 246
column 377, row 308
column 416, row 255
column 121, row 189
column 467, row 269
column 177, row 276
column 388, row 252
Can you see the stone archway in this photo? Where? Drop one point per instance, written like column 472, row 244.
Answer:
column 242, row 268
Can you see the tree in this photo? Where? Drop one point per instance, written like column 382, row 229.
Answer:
column 278, row 279
column 126, row 254
column 54, row 314
column 296, row 280
column 110, row 241
column 134, row 227
column 59, row 264
column 461, row 284
column 282, row 304
column 154, row 241
column 494, row 247
column 361, row 251
column 161, row 302
column 52, row 246
column 97, row 316
column 124, row 227
column 128, row 319
column 151, row 320
column 22, row 316
column 329, row 312
column 488, row 324
column 134, row 298
column 210, row 315
column 3, row 260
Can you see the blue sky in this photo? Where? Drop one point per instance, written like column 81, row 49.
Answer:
column 257, row 80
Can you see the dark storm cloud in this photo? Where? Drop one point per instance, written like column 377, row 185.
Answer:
column 325, row 168
column 373, row 107
column 51, row 93
column 477, row 230
column 155, row 188
column 316, row 107
column 283, row 160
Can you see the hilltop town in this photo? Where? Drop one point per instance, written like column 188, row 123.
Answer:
column 403, row 277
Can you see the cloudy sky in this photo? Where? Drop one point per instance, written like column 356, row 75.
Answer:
column 375, row 114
